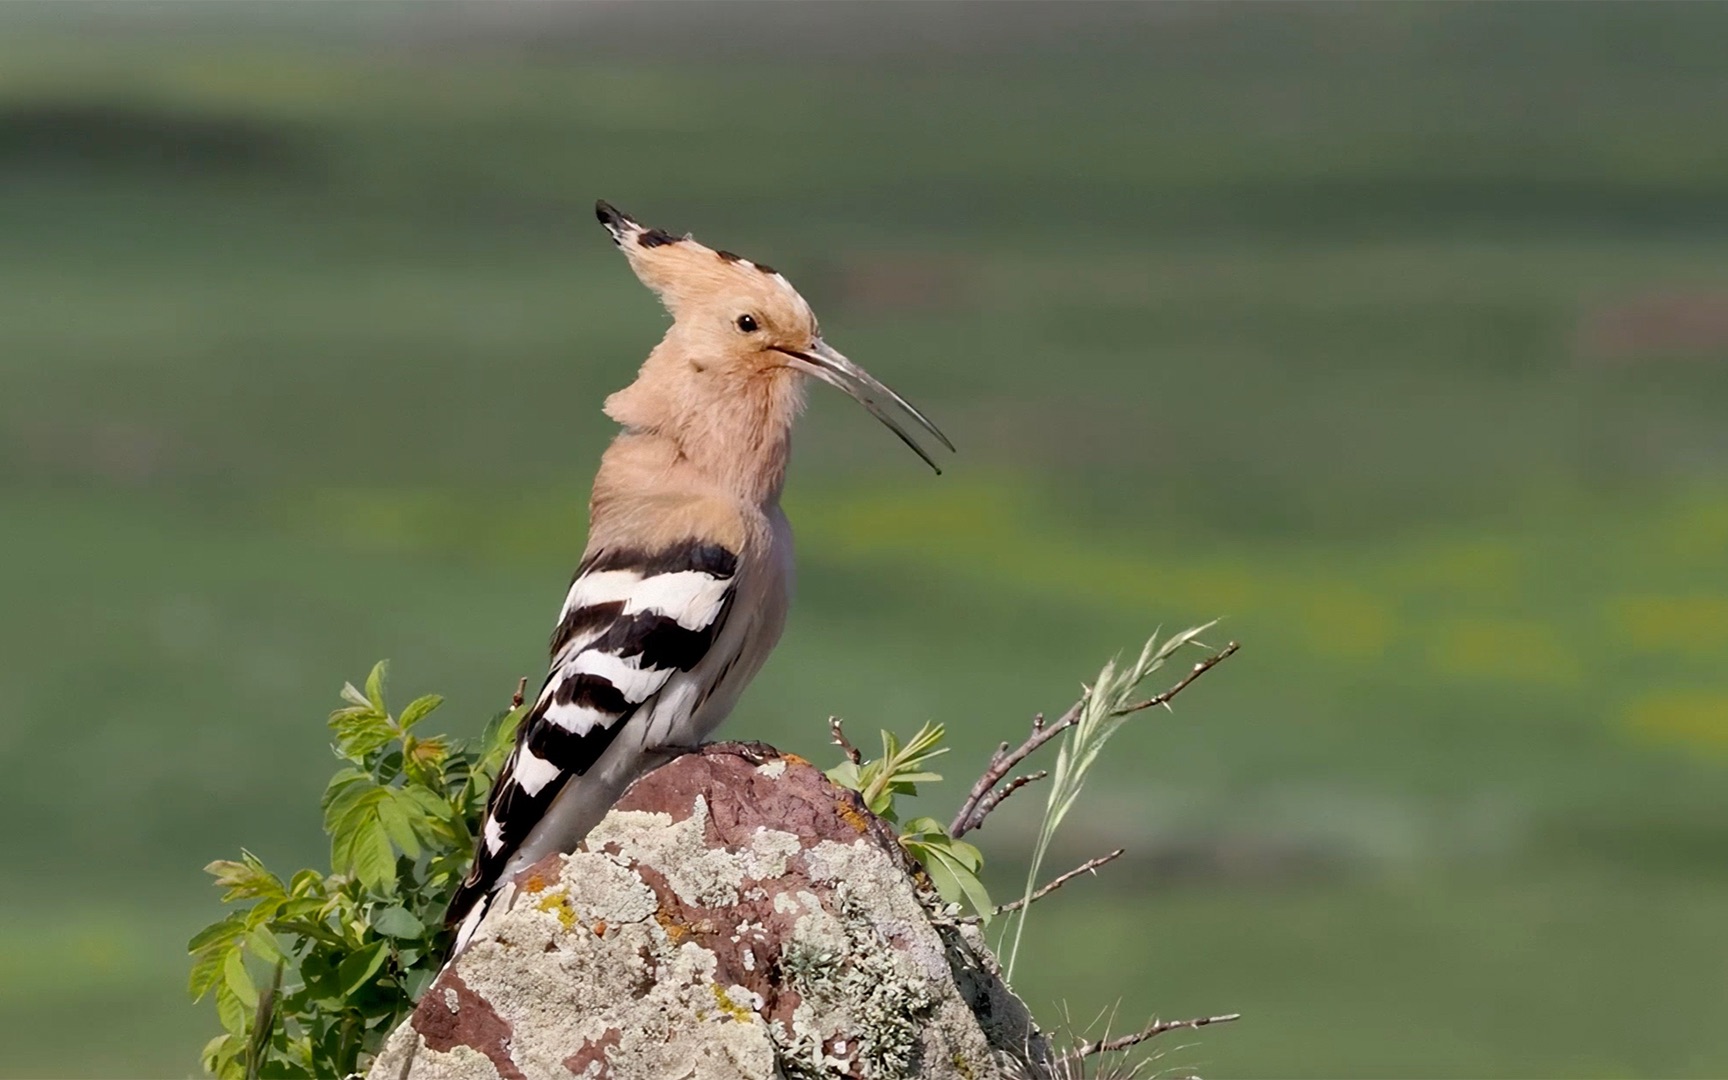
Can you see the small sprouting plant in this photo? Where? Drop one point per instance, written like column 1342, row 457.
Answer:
column 953, row 864
column 345, row 952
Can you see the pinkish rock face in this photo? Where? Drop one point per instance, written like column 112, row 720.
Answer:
column 735, row 916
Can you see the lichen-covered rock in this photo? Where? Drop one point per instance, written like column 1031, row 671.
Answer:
column 736, row 917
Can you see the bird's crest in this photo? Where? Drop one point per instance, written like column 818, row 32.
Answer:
column 739, row 330
column 688, row 276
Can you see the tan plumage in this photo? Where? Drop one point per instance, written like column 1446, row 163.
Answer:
column 683, row 588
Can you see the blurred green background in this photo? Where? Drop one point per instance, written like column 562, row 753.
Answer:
column 1397, row 335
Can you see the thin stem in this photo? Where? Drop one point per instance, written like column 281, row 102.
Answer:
column 1198, row 670
column 838, row 733
column 1089, row 866
column 1003, row 762
column 1152, row 1031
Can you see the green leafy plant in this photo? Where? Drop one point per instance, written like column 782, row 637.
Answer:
column 953, row 865
column 345, row 952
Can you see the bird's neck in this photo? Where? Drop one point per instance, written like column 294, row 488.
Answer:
column 743, row 447
column 731, row 435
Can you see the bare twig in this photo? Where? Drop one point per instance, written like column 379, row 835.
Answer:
column 521, row 689
column 840, row 740
column 1199, row 669
column 1090, row 866
column 990, row 801
column 1152, row 1031
column 1002, row 762
column 984, row 798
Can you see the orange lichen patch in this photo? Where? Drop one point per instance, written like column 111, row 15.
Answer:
column 677, row 931
column 535, row 882
column 600, row 928
column 793, row 759
column 851, row 814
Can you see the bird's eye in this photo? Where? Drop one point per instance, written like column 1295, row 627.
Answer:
column 747, row 323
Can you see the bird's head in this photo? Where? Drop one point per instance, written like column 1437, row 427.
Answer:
column 740, row 331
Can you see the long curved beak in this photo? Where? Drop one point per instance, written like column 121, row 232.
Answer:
column 828, row 365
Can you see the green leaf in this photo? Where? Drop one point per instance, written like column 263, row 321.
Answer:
column 354, row 697
column 429, row 754
column 246, row 879
column 917, row 778
column 397, row 922
column 417, row 710
column 344, row 790
column 306, row 883
column 264, row 945
column 962, row 852
column 393, row 815
column 965, row 880
column 880, row 800
column 418, row 981
column 362, row 848
column 238, row 980
column 263, row 913
column 210, row 949
column 300, row 908
column 940, row 874
column 227, row 930
column 496, row 743
column 375, row 685
column 206, row 973
column 359, row 815
column 231, row 1011
column 900, row 768
column 845, row 775
column 360, row 733
column 221, row 1052
column 360, row 966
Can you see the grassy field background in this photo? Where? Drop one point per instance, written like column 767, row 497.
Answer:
column 1395, row 335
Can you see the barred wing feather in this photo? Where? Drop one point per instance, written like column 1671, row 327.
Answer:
column 631, row 622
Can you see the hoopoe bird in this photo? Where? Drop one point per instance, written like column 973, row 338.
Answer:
column 683, row 588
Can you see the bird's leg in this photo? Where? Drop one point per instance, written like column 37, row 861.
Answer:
column 675, row 750
column 756, row 753
column 753, row 751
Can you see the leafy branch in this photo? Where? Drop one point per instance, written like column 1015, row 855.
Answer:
column 348, row 950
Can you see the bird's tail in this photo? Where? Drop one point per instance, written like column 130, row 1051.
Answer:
column 475, row 906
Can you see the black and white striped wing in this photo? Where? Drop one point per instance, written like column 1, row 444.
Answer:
column 631, row 621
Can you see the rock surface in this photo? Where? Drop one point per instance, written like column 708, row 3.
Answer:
column 736, row 917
